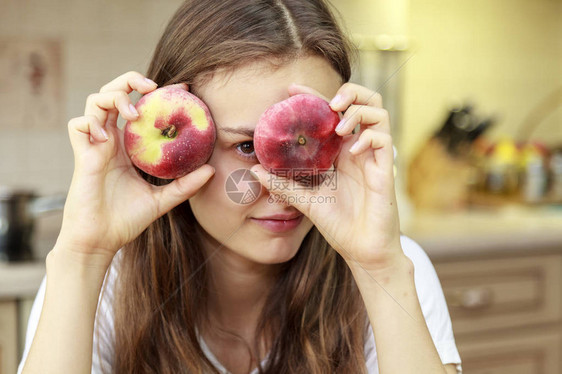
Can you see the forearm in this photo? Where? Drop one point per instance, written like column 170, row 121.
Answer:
column 63, row 339
column 403, row 342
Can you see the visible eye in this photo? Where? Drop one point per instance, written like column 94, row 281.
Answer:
column 246, row 149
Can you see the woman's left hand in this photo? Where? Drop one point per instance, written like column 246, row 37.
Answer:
column 359, row 217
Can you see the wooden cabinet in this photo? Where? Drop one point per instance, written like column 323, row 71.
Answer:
column 506, row 312
column 19, row 283
column 8, row 336
column 528, row 352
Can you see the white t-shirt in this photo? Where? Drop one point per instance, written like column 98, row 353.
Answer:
column 428, row 288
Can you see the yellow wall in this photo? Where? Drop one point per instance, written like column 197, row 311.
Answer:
column 504, row 55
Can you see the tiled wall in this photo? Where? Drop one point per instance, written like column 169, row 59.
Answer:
column 100, row 40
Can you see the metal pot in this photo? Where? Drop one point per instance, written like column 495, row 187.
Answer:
column 18, row 211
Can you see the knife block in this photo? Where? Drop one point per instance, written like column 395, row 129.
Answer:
column 438, row 181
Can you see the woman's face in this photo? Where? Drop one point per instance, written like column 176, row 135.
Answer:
column 236, row 101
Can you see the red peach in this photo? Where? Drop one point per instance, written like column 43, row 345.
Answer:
column 173, row 135
column 296, row 137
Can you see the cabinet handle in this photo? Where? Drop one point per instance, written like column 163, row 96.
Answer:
column 472, row 298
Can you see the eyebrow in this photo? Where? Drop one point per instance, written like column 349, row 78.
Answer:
column 240, row 131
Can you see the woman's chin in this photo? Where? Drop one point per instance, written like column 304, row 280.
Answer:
column 275, row 253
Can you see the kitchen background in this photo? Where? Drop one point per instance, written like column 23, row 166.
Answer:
column 484, row 204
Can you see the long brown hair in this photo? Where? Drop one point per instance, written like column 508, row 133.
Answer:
column 314, row 313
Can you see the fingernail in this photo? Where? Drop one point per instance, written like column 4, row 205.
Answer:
column 133, row 110
column 336, row 100
column 354, row 147
column 150, row 81
column 104, row 133
column 340, row 125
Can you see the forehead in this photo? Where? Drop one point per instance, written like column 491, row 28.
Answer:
column 236, row 99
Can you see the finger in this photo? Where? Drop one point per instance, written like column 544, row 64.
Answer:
column 111, row 122
column 81, row 129
column 366, row 116
column 351, row 93
column 130, row 81
column 99, row 104
column 182, row 188
column 380, row 142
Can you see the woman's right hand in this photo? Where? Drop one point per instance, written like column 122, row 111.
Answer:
column 109, row 204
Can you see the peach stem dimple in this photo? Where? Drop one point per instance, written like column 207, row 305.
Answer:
column 302, row 140
column 170, row 131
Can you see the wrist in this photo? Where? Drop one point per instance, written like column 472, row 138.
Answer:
column 399, row 265
column 70, row 257
column 73, row 275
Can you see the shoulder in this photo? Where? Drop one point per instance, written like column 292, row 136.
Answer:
column 104, row 333
column 415, row 253
column 428, row 287
column 107, row 294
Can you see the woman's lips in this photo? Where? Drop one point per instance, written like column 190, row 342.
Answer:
column 278, row 225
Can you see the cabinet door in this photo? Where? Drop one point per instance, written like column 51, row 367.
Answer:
column 8, row 337
column 520, row 353
column 502, row 293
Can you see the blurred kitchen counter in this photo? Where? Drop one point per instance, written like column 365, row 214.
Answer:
column 506, row 230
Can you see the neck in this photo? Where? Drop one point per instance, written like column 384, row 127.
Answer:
column 238, row 288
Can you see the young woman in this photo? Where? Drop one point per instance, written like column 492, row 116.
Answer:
column 194, row 282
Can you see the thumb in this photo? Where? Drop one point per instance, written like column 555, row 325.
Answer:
column 183, row 188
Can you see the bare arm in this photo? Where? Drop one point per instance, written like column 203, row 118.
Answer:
column 108, row 205
column 63, row 340
column 403, row 341
column 364, row 228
